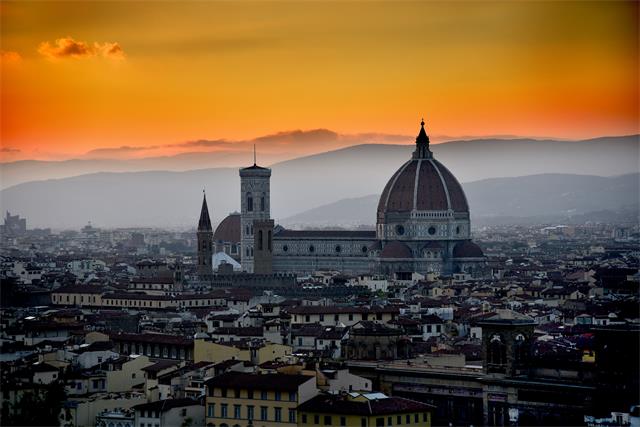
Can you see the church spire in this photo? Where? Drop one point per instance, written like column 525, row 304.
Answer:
column 205, row 222
column 422, row 144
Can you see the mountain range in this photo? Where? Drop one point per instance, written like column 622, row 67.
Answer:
column 486, row 167
column 472, row 159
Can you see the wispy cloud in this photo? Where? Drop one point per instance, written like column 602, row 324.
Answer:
column 10, row 57
column 67, row 47
column 9, row 150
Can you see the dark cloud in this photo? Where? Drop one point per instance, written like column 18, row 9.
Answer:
column 67, row 47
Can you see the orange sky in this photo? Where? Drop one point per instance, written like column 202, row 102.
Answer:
column 80, row 76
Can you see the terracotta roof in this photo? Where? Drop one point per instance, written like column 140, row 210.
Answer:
column 280, row 382
column 228, row 230
column 382, row 406
column 396, row 249
column 166, row 405
column 323, row 309
column 435, row 189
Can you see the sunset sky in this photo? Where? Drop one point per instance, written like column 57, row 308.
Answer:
column 156, row 76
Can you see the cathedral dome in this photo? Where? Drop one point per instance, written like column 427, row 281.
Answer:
column 228, row 230
column 396, row 249
column 467, row 249
column 422, row 184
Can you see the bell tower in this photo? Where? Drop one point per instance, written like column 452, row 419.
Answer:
column 255, row 207
column 205, row 241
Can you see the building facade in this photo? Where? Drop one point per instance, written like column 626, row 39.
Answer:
column 422, row 226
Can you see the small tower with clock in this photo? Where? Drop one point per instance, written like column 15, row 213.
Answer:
column 255, row 206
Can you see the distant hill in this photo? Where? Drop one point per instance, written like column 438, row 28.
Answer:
column 471, row 159
column 161, row 198
column 548, row 197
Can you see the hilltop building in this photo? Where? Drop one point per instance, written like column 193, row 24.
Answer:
column 422, row 226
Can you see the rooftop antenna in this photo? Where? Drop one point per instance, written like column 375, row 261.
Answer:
column 254, row 154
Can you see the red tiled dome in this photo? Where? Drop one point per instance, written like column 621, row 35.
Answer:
column 467, row 249
column 437, row 189
column 228, row 230
column 396, row 249
column 422, row 184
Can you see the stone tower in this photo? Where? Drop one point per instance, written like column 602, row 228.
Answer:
column 507, row 338
column 205, row 242
column 263, row 246
column 255, row 206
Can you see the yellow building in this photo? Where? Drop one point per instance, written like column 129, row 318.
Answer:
column 208, row 351
column 363, row 410
column 238, row 399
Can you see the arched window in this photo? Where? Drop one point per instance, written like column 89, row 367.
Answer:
column 269, row 240
column 259, row 240
column 249, row 202
column 520, row 349
column 262, row 203
column 497, row 352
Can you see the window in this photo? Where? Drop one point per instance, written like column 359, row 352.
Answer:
column 249, row 202
column 350, row 316
column 250, row 410
column 424, row 417
column 259, row 240
column 292, row 415
column 316, row 419
column 428, row 329
column 293, row 396
column 432, row 230
column 343, row 421
column 336, row 317
column 338, row 248
column 408, row 419
column 237, row 392
column 278, row 414
column 327, row 420
column 278, row 395
column 299, row 340
column 223, row 392
column 304, row 418
column 390, row 421
column 262, row 204
column 269, row 241
column 263, row 413
column 379, row 422
column 285, row 248
column 363, row 422
column 236, row 411
column 211, row 410
column 183, row 412
column 223, row 410
column 416, row 418
column 307, row 318
column 263, row 395
column 249, row 394
column 312, row 248
column 399, row 420
column 322, row 317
